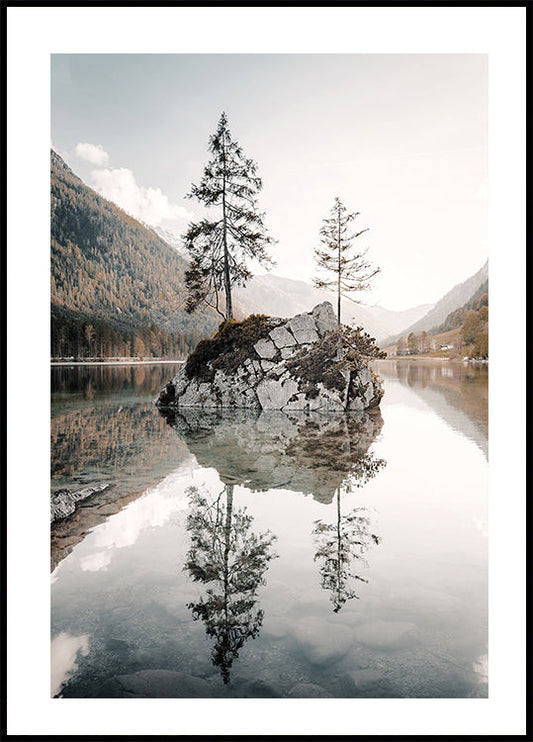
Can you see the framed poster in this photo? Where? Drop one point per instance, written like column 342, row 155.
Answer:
column 307, row 510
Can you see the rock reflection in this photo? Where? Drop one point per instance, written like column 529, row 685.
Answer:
column 231, row 559
column 312, row 454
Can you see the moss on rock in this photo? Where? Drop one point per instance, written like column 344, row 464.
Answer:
column 229, row 348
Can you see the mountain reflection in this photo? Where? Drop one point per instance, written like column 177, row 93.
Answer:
column 312, row 454
column 93, row 443
column 457, row 392
column 87, row 381
column 231, row 559
column 125, row 444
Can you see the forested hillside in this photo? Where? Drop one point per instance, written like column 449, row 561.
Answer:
column 463, row 334
column 456, row 318
column 454, row 299
column 117, row 289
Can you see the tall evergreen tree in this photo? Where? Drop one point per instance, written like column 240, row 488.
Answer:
column 220, row 247
column 351, row 271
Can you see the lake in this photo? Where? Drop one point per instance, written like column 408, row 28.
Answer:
column 264, row 555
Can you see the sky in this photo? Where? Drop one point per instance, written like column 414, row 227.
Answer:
column 400, row 139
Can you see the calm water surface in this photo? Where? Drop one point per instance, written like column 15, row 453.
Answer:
column 245, row 555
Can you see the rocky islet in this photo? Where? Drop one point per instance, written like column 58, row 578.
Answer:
column 306, row 363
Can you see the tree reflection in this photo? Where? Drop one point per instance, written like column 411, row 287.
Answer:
column 226, row 555
column 343, row 544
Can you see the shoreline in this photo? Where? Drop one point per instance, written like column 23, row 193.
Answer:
column 111, row 363
column 434, row 358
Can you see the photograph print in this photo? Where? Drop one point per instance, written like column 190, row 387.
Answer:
column 269, row 376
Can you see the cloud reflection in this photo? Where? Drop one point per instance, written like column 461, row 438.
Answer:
column 152, row 510
column 64, row 654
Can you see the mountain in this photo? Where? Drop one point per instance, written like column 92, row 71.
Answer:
column 170, row 238
column 394, row 321
column 454, row 299
column 455, row 319
column 285, row 297
column 117, row 288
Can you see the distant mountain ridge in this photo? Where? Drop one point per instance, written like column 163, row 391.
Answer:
column 169, row 237
column 458, row 296
column 281, row 296
column 285, row 297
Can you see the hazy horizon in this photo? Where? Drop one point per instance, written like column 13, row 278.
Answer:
column 401, row 139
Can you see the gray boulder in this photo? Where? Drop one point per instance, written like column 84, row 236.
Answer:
column 63, row 502
column 155, row 684
column 308, row 690
column 306, row 363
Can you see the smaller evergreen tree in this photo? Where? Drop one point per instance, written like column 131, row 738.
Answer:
column 351, row 271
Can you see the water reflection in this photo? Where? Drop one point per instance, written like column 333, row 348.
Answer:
column 124, row 445
column 457, row 392
column 123, row 587
column 101, row 442
column 87, row 381
column 65, row 651
column 326, row 456
column 307, row 453
column 343, row 543
column 231, row 559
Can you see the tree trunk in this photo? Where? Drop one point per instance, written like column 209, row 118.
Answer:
column 227, row 542
column 339, row 551
column 339, row 272
column 227, row 282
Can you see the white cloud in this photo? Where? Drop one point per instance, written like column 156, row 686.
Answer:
column 93, row 153
column 150, row 205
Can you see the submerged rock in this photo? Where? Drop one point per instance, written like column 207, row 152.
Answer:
column 308, row 690
column 63, row 502
column 319, row 646
column 388, row 635
column 306, row 363
column 155, row 684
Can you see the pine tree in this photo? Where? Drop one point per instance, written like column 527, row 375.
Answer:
column 219, row 248
column 351, row 272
